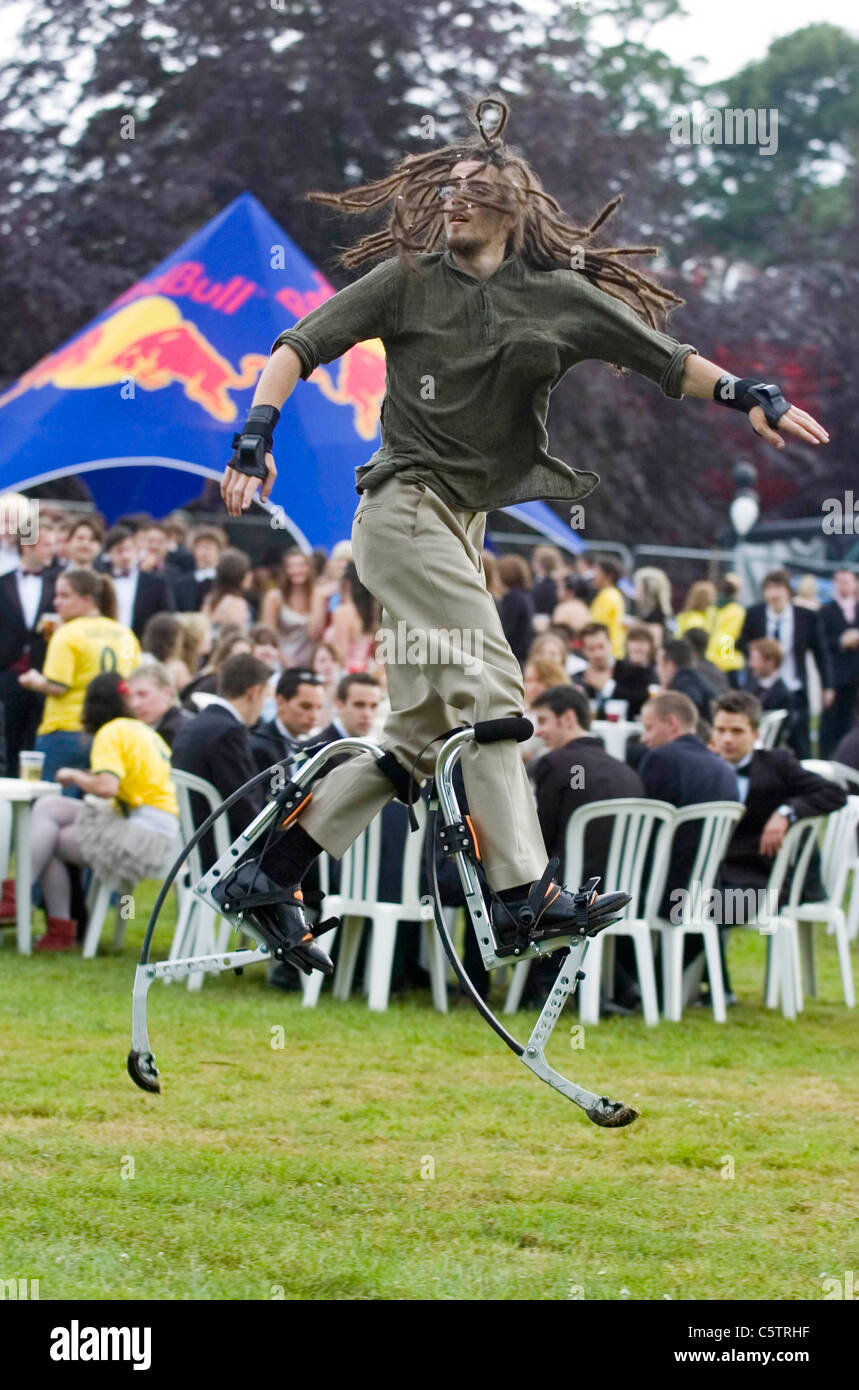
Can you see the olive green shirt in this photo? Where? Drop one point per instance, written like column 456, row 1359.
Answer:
column 470, row 365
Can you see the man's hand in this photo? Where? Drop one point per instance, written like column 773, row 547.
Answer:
column 849, row 639
column 773, row 834
column 827, row 697
column 794, row 421
column 237, row 489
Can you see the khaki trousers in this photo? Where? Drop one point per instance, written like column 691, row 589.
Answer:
column 448, row 663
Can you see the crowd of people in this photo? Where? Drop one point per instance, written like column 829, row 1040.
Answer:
column 130, row 651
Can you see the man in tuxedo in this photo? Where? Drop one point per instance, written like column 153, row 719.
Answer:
column 797, row 632
column 299, row 696
column 776, row 791
column 26, row 595
column 838, row 621
column 576, row 770
column 139, row 595
column 680, row 769
column 84, row 543
column 215, row 744
column 677, row 674
column 191, row 589
column 356, row 706
column 766, row 658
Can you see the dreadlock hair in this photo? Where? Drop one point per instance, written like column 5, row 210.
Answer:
column 542, row 234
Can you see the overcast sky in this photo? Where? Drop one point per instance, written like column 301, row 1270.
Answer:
column 727, row 33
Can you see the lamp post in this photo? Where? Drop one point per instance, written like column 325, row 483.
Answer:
column 744, row 512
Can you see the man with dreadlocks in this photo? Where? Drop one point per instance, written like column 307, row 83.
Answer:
column 488, row 295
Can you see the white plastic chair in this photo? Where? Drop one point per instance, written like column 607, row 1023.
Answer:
column 195, row 933
column 770, row 727
column 99, row 894
column 847, row 776
column 838, row 858
column 358, row 899
column 717, row 820
column 638, row 824
column 783, row 977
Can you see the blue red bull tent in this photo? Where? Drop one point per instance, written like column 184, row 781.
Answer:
column 143, row 402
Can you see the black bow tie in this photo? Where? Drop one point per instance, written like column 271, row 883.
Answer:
column 31, row 574
column 744, row 766
column 121, row 574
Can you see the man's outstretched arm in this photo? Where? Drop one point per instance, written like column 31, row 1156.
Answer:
column 700, row 378
column 276, row 384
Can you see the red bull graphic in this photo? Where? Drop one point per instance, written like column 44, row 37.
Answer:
column 150, row 343
column 360, row 383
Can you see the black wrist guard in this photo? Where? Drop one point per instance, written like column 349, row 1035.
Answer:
column 255, row 441
column 741, row 393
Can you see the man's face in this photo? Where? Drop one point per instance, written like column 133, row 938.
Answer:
column 666, row 670
column 358, row 711
column 468, row 226
column 148, row 700
column 123, row 555
column 556, row 730
column 656, row 731
column 302, row 712
column 846, row 584
column 733, row 736
column 206, row 554
column 83, row 546
column 37, row 553
column 597, row 651
column 156, row 544
column 760, row 666
column 638, row 653
column 776, row 597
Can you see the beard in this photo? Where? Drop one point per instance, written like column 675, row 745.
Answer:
column 466, row 244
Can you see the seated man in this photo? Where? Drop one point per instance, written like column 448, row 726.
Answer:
column 577, row 770
column 215, row 744
column 776, row 790
column 677, row 674
column 680, row 769
column 766, row 656
column 356, row 704
column 299, row 696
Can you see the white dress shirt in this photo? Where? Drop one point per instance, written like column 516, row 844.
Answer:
column 30, row 594
column 784, row 636
column 126, row 593
column 219, row 700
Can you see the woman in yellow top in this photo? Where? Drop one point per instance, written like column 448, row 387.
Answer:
column 88, row 642
column 725, row 629
column 608, row 606
column 133, row 834
column 699, row 608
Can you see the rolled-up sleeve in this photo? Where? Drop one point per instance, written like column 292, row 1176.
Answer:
column 594, row 324
column 364, row 310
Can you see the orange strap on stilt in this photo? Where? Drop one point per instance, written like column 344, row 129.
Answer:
column 296, row 811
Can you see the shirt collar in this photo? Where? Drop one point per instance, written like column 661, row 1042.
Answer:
column 219, row 700
column 510, row 268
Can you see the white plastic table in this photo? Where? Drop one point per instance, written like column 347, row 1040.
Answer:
column 21, row 795
column 615, row 734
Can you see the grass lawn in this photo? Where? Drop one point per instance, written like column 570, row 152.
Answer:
column 409, row 1155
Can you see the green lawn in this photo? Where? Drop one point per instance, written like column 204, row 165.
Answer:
column 409, row 1155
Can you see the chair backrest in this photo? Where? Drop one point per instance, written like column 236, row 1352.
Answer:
column 770, row 727
column 838, row 854
column 717, row 819
column 641, row 834
column 847, row 776
column 796, row 851
column 360, row 865
column 821, row 768
column 186, row 783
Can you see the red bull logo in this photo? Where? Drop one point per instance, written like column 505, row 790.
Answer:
column 148, row 342
column 360, row 383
